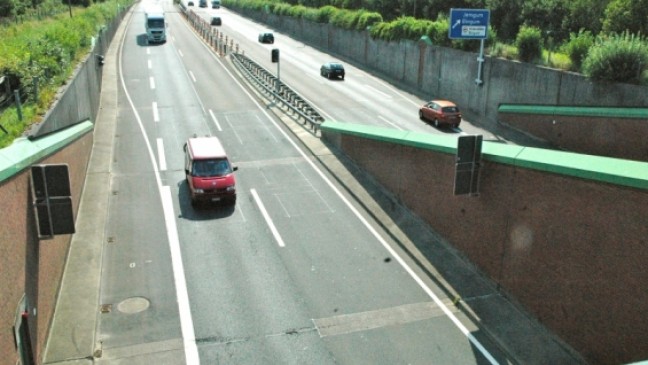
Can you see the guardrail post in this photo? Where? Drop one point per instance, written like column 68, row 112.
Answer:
column 18, row 104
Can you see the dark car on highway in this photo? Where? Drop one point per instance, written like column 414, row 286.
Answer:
column 441, row 112
column 332, row 69
column 266, row 37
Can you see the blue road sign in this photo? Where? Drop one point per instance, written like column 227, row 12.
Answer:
column 469, row 23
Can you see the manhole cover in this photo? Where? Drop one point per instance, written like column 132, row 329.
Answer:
column 133, row 305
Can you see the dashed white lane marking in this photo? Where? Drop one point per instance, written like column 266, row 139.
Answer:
column 267, row 218
column 161, row 157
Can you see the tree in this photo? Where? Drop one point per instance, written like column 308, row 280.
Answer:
column 505, row 17
column 546, row 15
column 584, row 14
column 626, row 15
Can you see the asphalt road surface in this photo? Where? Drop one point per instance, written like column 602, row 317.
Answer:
column 296, row 272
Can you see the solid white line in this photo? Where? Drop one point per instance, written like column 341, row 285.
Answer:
column 160, row 147
column 184, row 310
column 390, row 123
column 152, row 82
column 266, row 216
column 186, row 323
column 192, row 76
column 150, row 64
column 215, row 120
column 156, row 115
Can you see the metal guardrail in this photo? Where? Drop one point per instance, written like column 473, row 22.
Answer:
column 268, row 84
column 258, row 76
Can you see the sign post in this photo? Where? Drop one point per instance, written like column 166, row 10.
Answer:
column 467, row 165
column 52, row 200
column 471, row 24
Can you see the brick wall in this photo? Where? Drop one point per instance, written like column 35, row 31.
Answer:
column 571, row 251
column 29, row 266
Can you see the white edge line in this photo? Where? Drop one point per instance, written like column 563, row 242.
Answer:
column 267, row 218
column 161, row 157
column 186, row 322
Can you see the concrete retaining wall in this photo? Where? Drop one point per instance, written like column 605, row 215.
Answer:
column 433, row 71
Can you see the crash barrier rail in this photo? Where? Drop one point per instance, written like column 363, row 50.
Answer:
column 216, row 39
column 258, row 76
column 268, row 83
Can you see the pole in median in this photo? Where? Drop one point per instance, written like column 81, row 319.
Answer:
column 275, row 59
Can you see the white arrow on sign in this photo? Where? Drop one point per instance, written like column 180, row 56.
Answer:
column 456, row 23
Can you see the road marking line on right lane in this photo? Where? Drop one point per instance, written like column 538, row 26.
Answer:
column 267, row 218
column 215, row 120
column 161, row 157
column 156, row 115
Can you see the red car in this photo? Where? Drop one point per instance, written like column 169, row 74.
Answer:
column 441, row 112
column 209, row 173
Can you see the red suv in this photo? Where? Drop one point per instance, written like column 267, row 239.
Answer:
column 441, row 112
column 209, row 173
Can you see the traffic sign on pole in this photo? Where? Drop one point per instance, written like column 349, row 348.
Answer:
column 469, row 23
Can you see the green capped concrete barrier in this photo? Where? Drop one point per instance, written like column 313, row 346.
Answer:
column 603, row 169
column 24, row 152
column 578, row 111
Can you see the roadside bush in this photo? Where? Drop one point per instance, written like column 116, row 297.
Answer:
column 345, row 19
column 312, row 15
column 326, row 13
column 281, row 8
column 368, row 19
column 380, row 31
column 578, row 46
column 529, row 43
column 617, row 58
column 297, row 11
column 438, row 32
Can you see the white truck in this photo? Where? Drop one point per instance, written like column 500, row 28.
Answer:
column 155, row 25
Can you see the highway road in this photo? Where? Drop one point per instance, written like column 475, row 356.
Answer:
column 296, row 272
